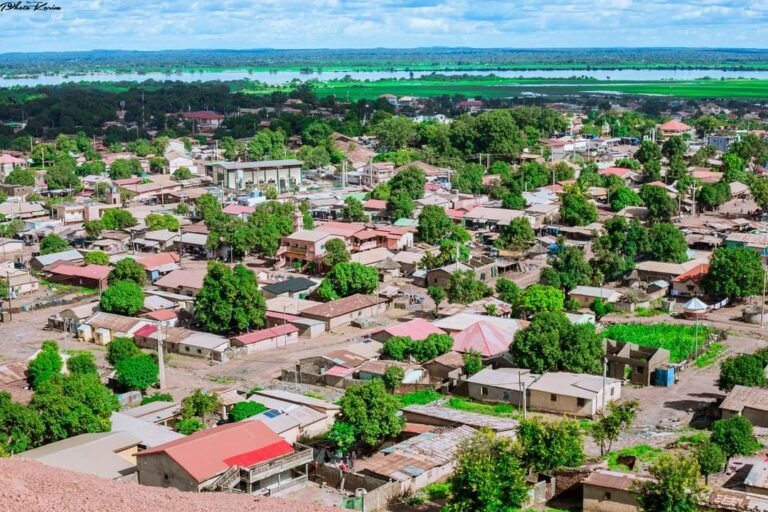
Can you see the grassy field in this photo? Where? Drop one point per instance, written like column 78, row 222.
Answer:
column 498, row 87
column 678, row 339
column 642, row 453
column 500, row 410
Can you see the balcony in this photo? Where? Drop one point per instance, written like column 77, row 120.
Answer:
column 301, row 455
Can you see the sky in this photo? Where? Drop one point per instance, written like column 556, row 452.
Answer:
column 242, row 24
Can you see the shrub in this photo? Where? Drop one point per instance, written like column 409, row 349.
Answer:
column 244, row 410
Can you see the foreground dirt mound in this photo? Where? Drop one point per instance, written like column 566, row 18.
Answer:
column 27, row 486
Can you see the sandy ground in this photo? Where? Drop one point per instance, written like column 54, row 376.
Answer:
column 32, row 487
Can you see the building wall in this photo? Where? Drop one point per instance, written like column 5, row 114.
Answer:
column 757, row 417
column 493, row 394
column 600, row 499
column 159, row 470
column 563, row 404
column 275, row 342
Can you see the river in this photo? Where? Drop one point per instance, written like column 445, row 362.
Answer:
column 282, row 77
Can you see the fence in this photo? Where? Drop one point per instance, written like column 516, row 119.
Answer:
column 378, row 493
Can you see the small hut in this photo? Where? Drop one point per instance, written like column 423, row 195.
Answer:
column 694, row 308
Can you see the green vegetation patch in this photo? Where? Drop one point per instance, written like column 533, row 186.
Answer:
column 709, row 357
column 500, row 410
column 641, row 452
column 423, row 397
column 680, row 340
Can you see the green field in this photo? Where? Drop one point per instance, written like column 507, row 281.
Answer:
column 498, row 87
column 680, row 340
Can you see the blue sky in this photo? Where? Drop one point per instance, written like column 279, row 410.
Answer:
column 153, row 25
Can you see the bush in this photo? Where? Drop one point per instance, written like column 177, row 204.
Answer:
column 734, row 436
column 244, row 410
column 45, row 365
column 189, row 426
column 137, row 373
column 82, row 362
column 121, row 348
column 122, row 298
column 157, row 397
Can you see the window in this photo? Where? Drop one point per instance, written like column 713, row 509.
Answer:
column 607, row 496
column 553, row 397
column 483, row 391
column 613, row 391
column 581, row 402
column 199, row 351
column 186, row 348
column 640, row 370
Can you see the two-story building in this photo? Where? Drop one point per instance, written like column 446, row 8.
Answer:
column 284, row 175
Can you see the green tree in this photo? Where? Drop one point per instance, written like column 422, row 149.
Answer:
column 267, row 144
column 397, row 347
column 371, row 412
column 538, row 298
column 733, row 168
column 123, row 168
column 122, row 298
column 434, row 224
column 243, row 410
column 552, row 343
column 607, row 429
column 742, row 370
column 576, row 209
column 188, row 426
column 207, row 207
column 489, row 476
column 667, row 243
column 660, row 206
column 21, row 176
column 347, row 279
column 353, row 211
column 21, row 427
column 547, row 446
column 343, row 435
column 518, row 235
column 52, row 243
column 128, row 270
column 62, row 176
column 199, row 404
column 93, row 229
column 82, row 362
column 395, row 132
column 118, row 219
column 600, row 308
column 137, row 373
column 96, row 258
column 713, row 196
column 568, row 269
column 182, row 173
column 335, row 252
column 675, row 485
column 167, row 221
column 400, row 205
column 410, row 180
column 120, row 349
column 673, row 146
column 469, row 180
column 393, row 377
column 464, row 288
column 74, row 404
column 648, row 151
column 734, row 272
column 230, row 300
column 431, row 347
column 507, row 291
column 621, row 197
column 306, row 216
column 711, row 459
column 45, row 365
column 734, row 436
column 473, row 362
column 437, row 294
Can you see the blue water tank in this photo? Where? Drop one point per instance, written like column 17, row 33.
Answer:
column 664, row 377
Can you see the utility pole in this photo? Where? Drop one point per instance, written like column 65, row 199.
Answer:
column 160, row 355
column 605, row 373
column 762, row 305
column 10, row 296
column 523, row 391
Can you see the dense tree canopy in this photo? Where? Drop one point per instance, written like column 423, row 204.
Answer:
column 229, row 301
column 735, row 273
column 371, row 412
column 122, row 298
column 347, row 279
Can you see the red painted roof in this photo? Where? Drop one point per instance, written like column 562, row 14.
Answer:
column 237, row 209
column 99, row 272
column 158, row 260
column 282, row 316
column 10, row 159
column 417, row 329
column 127, row 181
column 147, row 330
column 455, row 214
column 265, row 334
column 674, row 126
column 161, row 315
column 345, row 229
column 375, row 204
column 482, row 337
column 340, row 371
column 260, row 455
column 695, row 274
column 615, row 171
column 202, row 115
column 208, row 453
column 657, row 184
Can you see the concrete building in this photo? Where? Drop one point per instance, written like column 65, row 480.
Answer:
column 284, row 175
column 265, row 339
column 610, row 491
column 183, row 282
column 344, row 311
column 752, row 403
column 440, row 416
column 641, row 362
column 688, row 284
column 504, row 385
column 299, row 287
column 572, row 393
column 483, row 267
column 587, row 295
column 245, row 456
column 110, row 455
